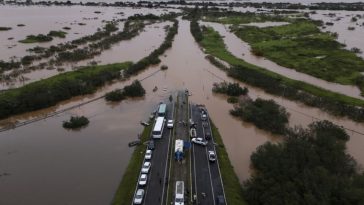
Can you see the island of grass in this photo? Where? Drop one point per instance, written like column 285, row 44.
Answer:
column 5, row 28
column 76, row 122
column 59, row 34
column 48, row 92
column 40, row 38
column 300, row 45
column 273, row 83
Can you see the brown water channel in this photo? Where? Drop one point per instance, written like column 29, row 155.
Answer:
column 50, row 165
column 241, row 50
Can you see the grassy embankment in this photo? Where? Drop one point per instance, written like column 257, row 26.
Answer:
column 48, row 92
column 232, row 187
column 276, row 84
column 40, row 38
column 125, row 192
column 303, row 47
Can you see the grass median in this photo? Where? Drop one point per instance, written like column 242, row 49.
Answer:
column 232, row 187
column 125, row 192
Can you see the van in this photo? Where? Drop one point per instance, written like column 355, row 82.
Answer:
column 179, row 196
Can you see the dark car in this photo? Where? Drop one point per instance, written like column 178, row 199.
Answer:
column 151, row 145
column 207, row 135
column 220, row 200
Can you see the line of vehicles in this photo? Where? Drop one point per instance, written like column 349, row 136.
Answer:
column 157, row 133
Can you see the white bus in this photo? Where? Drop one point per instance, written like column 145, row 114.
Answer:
column 179, row 197
column 158, row 128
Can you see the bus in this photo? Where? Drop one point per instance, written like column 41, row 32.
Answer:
column 179, row 197
column 162, row 110
column 158, row 128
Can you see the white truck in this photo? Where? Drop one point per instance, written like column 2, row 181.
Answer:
column 178, row 150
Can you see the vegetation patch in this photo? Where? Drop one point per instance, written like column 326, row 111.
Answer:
column 125, row 192
column 232, row 187
column 133, row 90
column 303, row 47
column 311, row 166
column 230, row 89
column 76, row 122
column 5, row 28
column 66, row 28
column 20, row 25
column 236, row 18
column 334, row 103
column 265, row 114
column 40, row 38
column 59, row 34
column 48, row 92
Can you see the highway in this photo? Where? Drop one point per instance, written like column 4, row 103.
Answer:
column 201, row 177
column 206, row 176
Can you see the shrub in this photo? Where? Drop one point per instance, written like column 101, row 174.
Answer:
column 76, row 122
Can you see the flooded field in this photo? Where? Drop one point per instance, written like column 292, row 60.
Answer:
column 46, row 164
column 242, row 50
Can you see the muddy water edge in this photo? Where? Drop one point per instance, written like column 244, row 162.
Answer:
column 50, row 165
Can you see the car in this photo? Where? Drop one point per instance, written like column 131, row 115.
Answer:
column 193, row 133
column 207, row 135
column 199, row 141
column 170, row 124
column 212, row 156
column 204, row 117
column 192, row 123
column 205, row 124
column 220, row 200
column 151, row 145
column 139, row 195
column 143, row 179
column 148, row 154
column 146, row 167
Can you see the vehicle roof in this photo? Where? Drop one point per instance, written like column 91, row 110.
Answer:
column 146, row 163
column 143, row 176
column 148, row 151
column 140, row 191
column 211, row 152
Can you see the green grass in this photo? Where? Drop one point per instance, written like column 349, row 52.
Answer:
column 303, row 47
column 214, row 45
column 37, row 39
column 125, row 192
column 236, row 18
column 232, row 187
column 59, row 34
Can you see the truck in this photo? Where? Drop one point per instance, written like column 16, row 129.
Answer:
column 178, row 150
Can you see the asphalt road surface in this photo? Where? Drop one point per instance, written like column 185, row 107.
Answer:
column 206, row 175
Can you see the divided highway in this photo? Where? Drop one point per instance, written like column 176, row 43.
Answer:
column 201, row 177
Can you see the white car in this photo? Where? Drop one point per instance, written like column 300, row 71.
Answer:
column 212, row 156
column 204, row 117
column 199, row 141
column 146, row 167
column 170, row 124
column 138, row 198
column 148, row 154
column 143, row 179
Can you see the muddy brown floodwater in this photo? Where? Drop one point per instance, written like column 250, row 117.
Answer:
column 50, row 165
column 242, row 49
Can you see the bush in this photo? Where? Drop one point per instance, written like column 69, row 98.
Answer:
column 310, row 166
column 265, row 114
column 116, row 95
column 134, row 90
column 232, row 100
column 231, row 89
column 76, row 122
